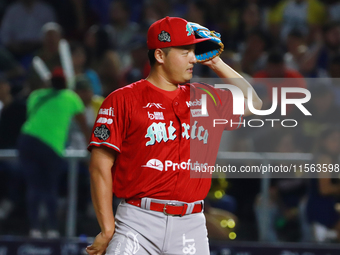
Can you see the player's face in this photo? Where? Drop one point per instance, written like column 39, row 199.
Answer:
column 179, row 63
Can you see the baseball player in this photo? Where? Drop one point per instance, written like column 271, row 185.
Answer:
column 142, row 143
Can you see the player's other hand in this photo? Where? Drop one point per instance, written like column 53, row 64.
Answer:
column 99, row 245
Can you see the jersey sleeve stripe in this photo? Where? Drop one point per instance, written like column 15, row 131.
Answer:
column 108, row 144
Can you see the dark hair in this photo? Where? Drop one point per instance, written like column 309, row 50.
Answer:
column 3, row 79
column 275, row 56
column 296, row 34
column 83, row 83
column 151, row 55
column 330, row 25
column 103, row 43
column 76, row 45
column 263, row 35
column 58, row 83
column 124, row 4
column 203, row 6
column 335, row 60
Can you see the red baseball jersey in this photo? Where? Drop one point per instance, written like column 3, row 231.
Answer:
column 160, row 137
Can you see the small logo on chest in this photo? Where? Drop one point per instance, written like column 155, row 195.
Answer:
column 157, row 105
column 156, row 116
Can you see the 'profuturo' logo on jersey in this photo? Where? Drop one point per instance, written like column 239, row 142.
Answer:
column 157, row 105
column 155, row 164
column 175, row 166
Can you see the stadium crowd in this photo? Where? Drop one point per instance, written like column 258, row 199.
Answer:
column 273, row 43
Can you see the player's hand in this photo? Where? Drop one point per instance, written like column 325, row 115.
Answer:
column 99, row 245
column 212, row 62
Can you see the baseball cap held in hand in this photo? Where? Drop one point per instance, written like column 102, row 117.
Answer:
column 171, row 31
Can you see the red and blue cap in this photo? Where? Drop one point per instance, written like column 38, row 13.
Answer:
column 171, row 31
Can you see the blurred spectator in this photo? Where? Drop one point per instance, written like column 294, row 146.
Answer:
column 5, row 94
column 216, row 220
column 218, row 198
column 49, row 53
column 296, row 50
column 164, row 6
column 12, row 117
column 22, row 23
column 277, row 75
column 103, row 58
column 9, row 67
column 334, row 67
column 324, row 112
column 78, row 141
column 79, row 11
column 306, row 16
column 277, row 139
column 216, row 13
column 41, row 148
column 140, row 67
column 326, row 46
column 179, row 8
column 324, row 188
column 122, row 29
column 333, row 10
column 286, row 205
column 3, row 6
column 75, row 16
column 253, row 57
column 233, row 60
column 250, row 18
column 150, row 14
column 334, row 75
column 100, row 7
column 198, row 12
column 92, row 104
column 80, row 62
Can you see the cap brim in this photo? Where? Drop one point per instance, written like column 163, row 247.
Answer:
column 195, row 41
column 201, row 40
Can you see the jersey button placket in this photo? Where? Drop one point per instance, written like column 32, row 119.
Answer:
column 175, row 105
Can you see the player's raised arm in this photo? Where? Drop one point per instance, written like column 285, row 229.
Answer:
column 207, row 53
column 102, row 159
column 226, row 72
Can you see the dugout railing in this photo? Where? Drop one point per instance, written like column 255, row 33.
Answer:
column 73, row 156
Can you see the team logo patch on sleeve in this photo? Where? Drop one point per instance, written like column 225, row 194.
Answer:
column 102, row 132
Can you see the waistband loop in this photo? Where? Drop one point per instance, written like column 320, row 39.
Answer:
column 145, row 203
column 190, row 208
